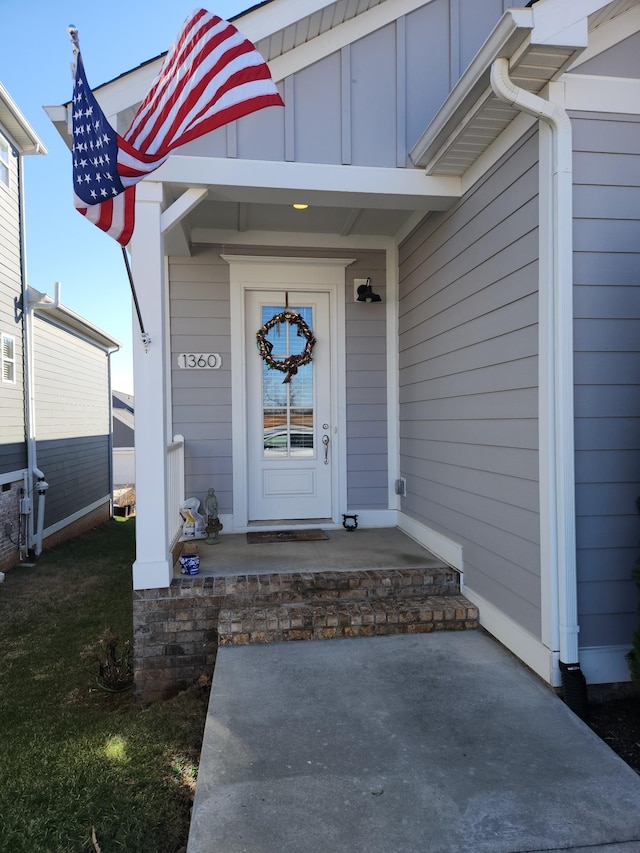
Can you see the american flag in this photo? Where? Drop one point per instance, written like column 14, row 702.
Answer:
column 211, row 76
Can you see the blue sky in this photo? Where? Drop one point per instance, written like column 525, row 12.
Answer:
column 35, row 61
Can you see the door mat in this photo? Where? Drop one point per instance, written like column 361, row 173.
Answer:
column 261, row 537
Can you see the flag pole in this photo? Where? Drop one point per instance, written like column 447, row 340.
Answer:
column 146, row 339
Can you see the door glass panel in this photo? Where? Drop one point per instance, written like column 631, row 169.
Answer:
column 287, row 408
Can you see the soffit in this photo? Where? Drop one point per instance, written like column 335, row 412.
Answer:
column 17, row 127
column 473, row 117
column 311, row 26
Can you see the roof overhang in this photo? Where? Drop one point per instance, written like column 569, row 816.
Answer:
column 276, row 182
column 13, row 121
column 46, row 305
column 540, row 42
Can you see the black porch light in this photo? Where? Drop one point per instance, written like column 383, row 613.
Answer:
column 366, row 294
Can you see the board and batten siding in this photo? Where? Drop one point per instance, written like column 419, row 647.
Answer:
column 13, row 454
column 200, row 312
column 405, row 68
column 199, row 293
column 607, row 372
column 468, row 369
column 72, row 417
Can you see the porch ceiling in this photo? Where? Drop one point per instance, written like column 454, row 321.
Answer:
column 234, row 196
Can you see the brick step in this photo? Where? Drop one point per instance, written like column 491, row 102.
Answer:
column 264, row 590
column 339, row 619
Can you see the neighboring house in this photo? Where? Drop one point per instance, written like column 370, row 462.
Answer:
column 55, row 431
column 481, row 165
column 123, row 420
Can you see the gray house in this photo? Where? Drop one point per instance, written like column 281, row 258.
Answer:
column 477, row 167
column 55, row 430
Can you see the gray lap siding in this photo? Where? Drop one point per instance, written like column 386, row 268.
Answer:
column 469, row 382
column 607, row 372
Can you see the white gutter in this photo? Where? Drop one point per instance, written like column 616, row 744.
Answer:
column 511, row 32
column 561, row 439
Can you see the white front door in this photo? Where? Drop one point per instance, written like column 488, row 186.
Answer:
column 289, row 428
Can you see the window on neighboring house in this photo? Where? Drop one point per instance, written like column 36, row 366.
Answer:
column 4, row 161
column 8, row 358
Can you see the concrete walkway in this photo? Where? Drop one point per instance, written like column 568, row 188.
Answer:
column 436, row 743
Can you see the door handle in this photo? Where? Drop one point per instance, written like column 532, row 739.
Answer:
column 325, row 441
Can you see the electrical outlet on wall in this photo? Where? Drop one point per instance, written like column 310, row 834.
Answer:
column 401, row 487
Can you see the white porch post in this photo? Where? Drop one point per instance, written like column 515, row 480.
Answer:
column 152, row 567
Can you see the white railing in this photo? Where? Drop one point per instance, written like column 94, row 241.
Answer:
column 175, row 487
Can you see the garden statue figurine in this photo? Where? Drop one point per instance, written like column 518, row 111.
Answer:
column 214, row 525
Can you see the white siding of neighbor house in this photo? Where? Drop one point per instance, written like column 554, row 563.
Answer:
column 72, row 416
column 12, row 433
column 607, row 371
column 200, row 322
column 468, row 382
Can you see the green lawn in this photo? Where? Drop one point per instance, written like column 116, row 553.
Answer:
column 76, row 760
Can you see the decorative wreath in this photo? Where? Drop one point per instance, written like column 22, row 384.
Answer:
column 291, row 363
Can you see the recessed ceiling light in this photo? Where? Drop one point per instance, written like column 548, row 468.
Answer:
column 301, row 206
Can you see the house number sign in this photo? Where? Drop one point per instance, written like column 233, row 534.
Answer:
column 199, row 361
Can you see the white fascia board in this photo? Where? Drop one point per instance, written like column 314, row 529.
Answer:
column 563, row 22
column 591, row 93
column 340, row 186
column 65, row 317
column 335, row 39
column 17, row 125
column 609, row 34
column 132, row 87
column 260, row 23
column 473, row 87
column 59, row 118
column 127, row 90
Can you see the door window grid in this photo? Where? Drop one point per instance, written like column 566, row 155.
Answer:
column 287, row 408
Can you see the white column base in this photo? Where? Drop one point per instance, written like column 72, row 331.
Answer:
column 152, row 575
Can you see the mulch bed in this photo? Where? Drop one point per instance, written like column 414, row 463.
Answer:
column 617, row 722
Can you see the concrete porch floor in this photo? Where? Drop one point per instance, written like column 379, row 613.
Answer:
column 361, row 549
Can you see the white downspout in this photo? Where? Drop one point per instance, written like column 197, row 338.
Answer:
column 30, row 300
column 562, row 439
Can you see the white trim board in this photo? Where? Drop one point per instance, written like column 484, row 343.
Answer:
column 367, row 518
column 591, row 93
column 13, row 476
column 338, row 37
column 290, row 239
column 605, row 664
column 609, row 34
column 441, row 546
column 250, row 272
column 514, row 637
column 280, row 182
column 76, row 516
